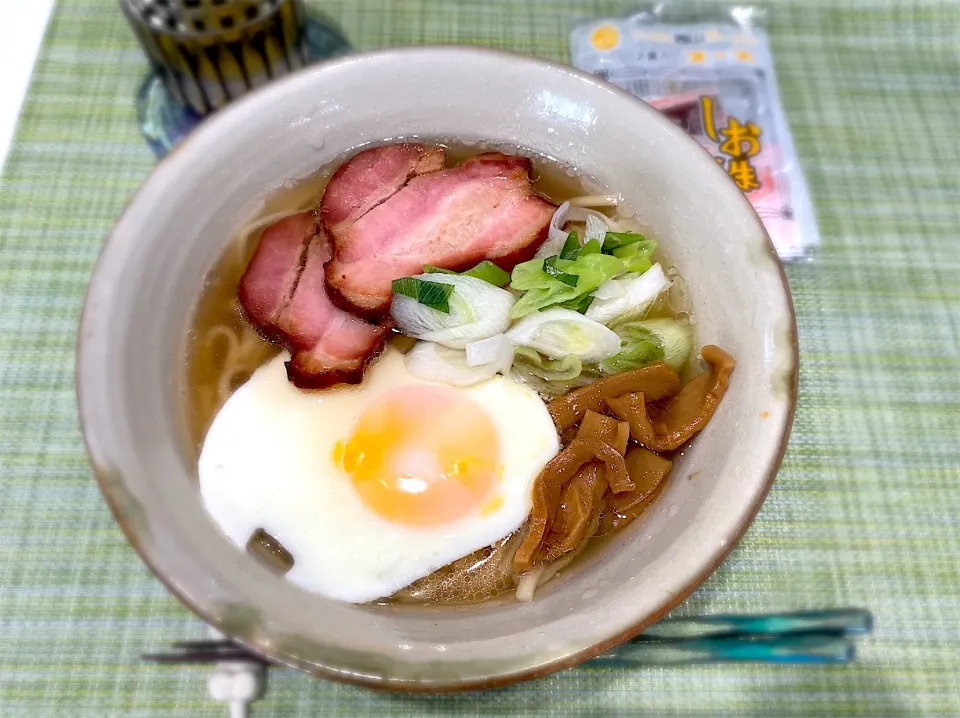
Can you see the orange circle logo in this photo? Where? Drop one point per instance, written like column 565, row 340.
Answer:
column 605, row 37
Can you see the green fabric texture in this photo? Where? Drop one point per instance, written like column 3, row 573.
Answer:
column 866, row 510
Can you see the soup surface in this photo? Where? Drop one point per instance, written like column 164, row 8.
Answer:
column 512, row 446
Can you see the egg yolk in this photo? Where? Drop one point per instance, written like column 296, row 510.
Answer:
column 423, row 456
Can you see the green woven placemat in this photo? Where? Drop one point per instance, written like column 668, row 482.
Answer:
column 866, row 510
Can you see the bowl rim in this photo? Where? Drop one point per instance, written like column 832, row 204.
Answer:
column 383, row 682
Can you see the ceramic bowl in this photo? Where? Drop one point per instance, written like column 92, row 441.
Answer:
column 130, row 371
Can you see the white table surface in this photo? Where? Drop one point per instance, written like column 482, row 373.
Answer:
column 22, row 24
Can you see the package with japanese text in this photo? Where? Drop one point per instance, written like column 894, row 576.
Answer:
column 716, row 81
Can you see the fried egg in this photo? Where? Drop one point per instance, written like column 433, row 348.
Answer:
column 370, row 488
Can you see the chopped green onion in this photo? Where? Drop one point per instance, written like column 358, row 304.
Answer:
column 638, row 349
column 579, row 304
column 543, row 290
column 486, row 270
column 647, row 341
column 430, row 269
column 625, row 251
column 632, row 250
column 615, row 240
column 638, row 265
column 571, row 248
column 551, row 377
column 550, row 268
column 675, row 338
column 489, row 272
column 565, row 368
column 636, row 256
column 591, row 247
column 429, row 294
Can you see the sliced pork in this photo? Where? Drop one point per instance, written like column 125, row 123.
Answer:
column 371, row 178
column 455, row 218
column 330, row 346
column 271, row 276
column 282, row 292
column 340, row 357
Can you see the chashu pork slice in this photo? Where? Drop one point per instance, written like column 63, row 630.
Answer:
column 271, row 275
column 371, row 178
column 483, row 209
column 330, row 346
column 283, row 294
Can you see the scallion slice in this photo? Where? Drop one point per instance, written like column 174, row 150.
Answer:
column 429, row 294
column 550, row 268
column 591, row 247
column 615, row 240
column 571, row 248
column 489, row 272
column 486, row 270
column 579, row 304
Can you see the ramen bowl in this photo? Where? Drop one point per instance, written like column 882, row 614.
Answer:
column 145, row 288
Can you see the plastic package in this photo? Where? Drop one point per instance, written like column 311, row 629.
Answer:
column 716, row 81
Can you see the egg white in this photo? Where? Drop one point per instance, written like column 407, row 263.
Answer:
column 267, row 462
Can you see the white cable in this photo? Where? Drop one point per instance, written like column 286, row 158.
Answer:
column 237, row 683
